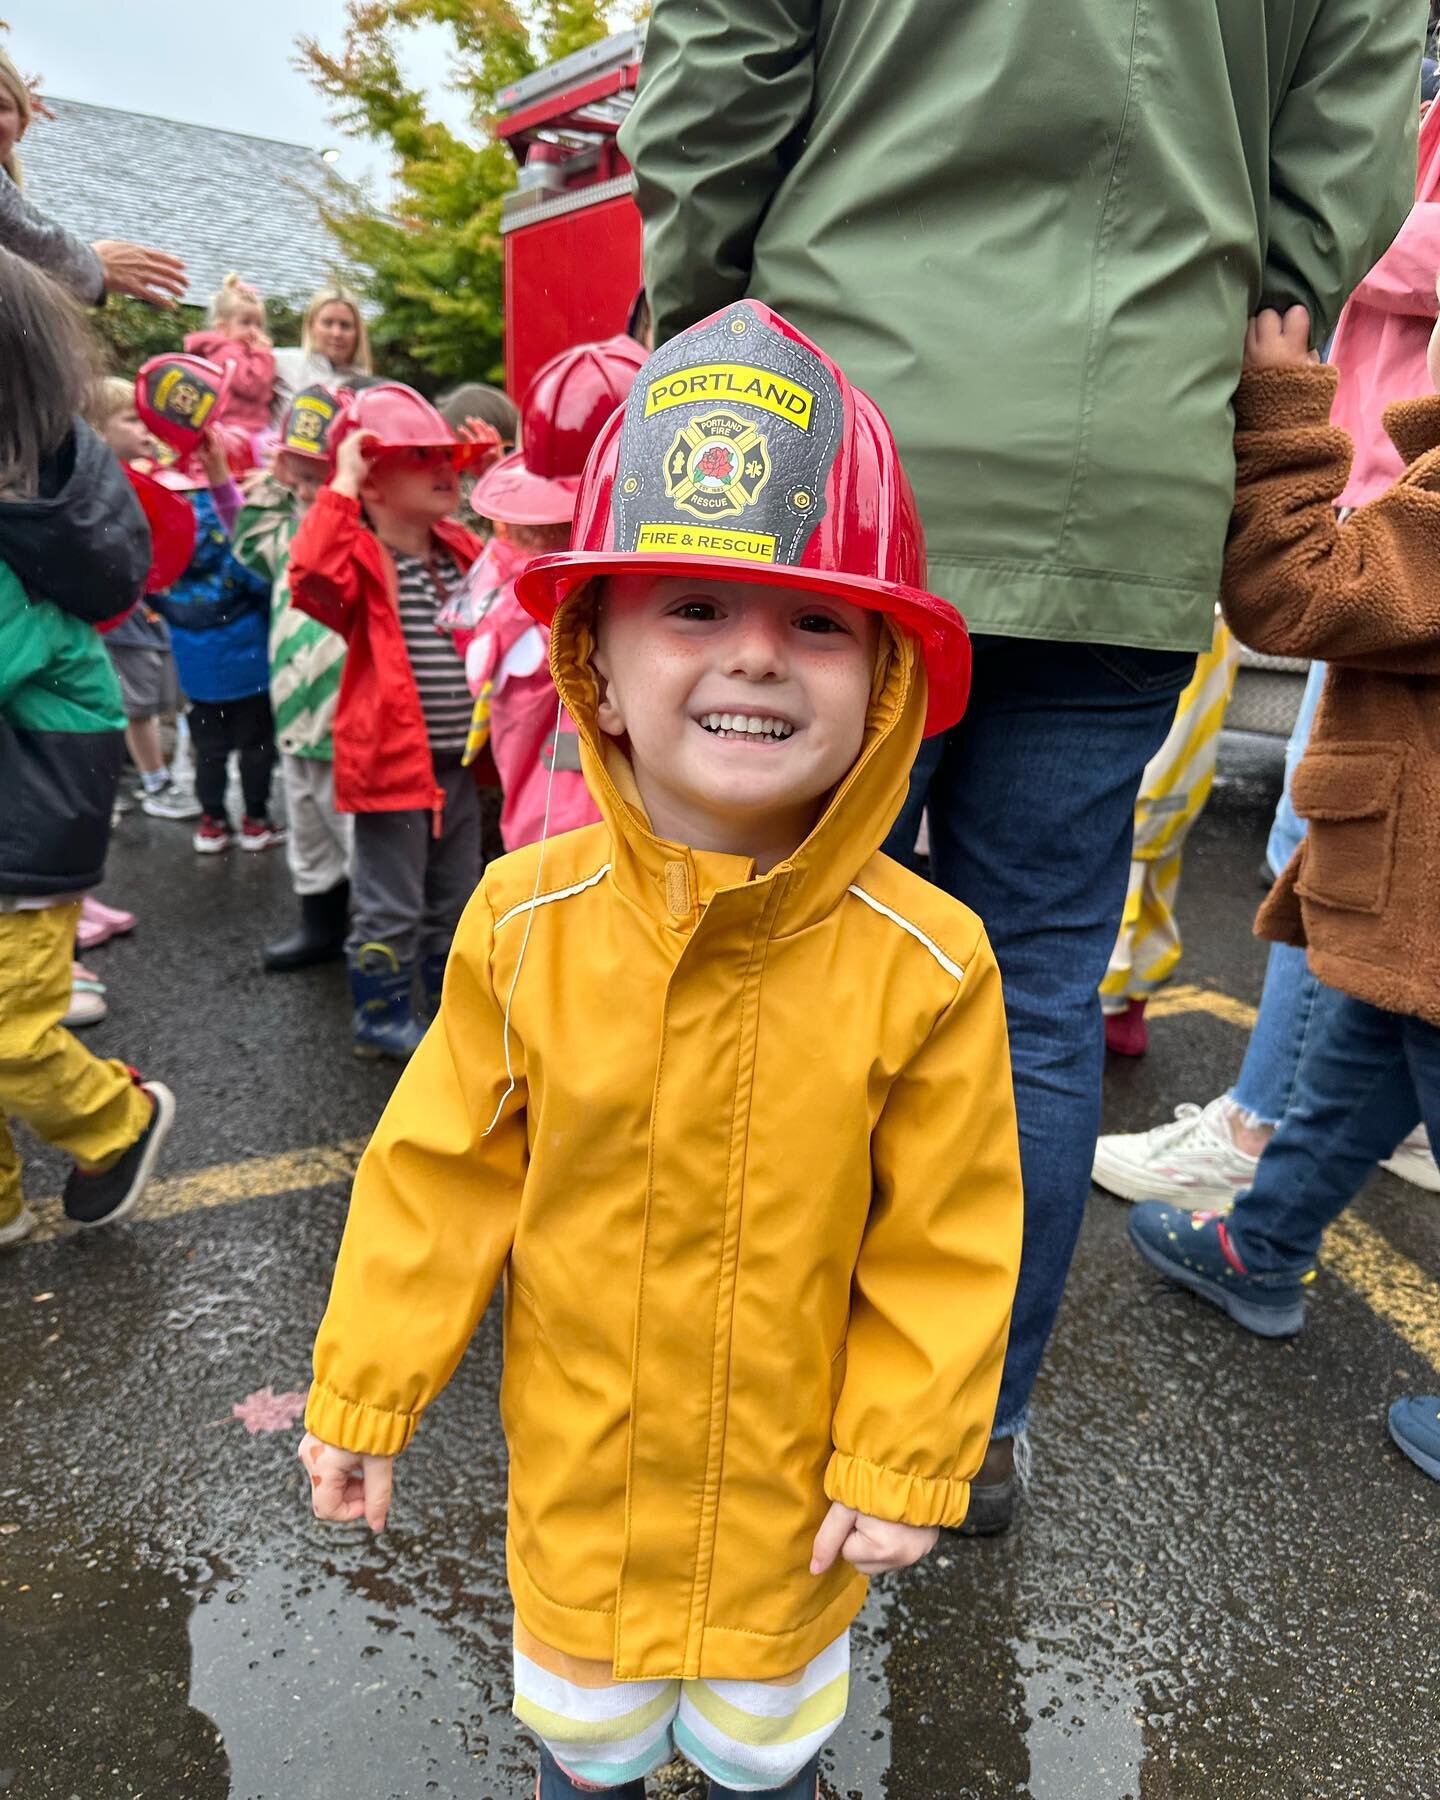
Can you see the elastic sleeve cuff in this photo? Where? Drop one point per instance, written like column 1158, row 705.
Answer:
column 888, row 1494
column 356, row 1425
column 1276, row 399
column 345, row 504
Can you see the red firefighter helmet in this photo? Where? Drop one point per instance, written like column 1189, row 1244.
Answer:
column 179, row 396
column 744, row 449
column 310, row 421
column 564, row 412
column 400, row 419
column 172, row 529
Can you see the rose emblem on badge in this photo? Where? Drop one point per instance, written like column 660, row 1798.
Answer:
column 716, row 466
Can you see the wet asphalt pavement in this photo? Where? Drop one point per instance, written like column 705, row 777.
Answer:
column 1227, row 1583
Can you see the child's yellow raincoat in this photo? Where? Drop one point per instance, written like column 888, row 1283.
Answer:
column 757, row 1193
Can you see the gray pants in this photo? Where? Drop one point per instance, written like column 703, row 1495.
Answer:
column 409, row 888
column 318, row 842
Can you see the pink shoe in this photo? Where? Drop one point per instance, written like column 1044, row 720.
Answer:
column 1126, row 1033
column 99, row 923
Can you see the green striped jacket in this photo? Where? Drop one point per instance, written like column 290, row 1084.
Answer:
column 306, row 658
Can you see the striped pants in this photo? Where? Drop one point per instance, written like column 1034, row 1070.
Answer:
column 749, row 1736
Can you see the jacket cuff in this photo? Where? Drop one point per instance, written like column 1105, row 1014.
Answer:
column 343, row 504
column 1413, row 426
column 356, row 1424
column 888, row 1494
column 1277, row 399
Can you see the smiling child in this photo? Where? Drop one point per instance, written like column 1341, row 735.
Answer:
column 720, row 1090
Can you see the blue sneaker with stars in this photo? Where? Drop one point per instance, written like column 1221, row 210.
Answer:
column 1415, row 1427
column 1194, row 1250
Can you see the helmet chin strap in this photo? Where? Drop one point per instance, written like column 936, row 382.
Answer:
column 529, row 921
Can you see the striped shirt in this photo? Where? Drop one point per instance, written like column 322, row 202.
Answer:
column 435, row 664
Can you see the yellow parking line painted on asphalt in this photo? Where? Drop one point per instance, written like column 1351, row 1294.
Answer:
column 1181, row 999
column 222, row 1184
column 1392, row 1286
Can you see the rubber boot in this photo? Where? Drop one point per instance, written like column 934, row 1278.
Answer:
column 384, row 1022
column 324, row 919
column 432, row 981
column 555, row 1784
column 805, row 1786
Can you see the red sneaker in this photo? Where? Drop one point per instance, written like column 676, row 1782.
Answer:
column 212, row 835
column 1126, row 1033
column 260, row 834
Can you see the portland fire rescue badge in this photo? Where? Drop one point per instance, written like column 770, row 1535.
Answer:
column 716, row 466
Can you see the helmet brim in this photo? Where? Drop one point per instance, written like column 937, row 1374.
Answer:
column 463, row 455
column 517, row 496
column 549, row 581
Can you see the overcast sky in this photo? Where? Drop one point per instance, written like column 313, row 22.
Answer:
column 210, row 62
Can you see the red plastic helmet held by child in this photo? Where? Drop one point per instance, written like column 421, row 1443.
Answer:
column 743, row 450
column 398, row 418
column 179, row 396
column 564, row 412
column 172, row 530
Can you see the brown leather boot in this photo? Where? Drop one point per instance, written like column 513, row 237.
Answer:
column 994, row 1492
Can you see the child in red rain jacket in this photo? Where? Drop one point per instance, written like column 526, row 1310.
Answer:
column 376, row 558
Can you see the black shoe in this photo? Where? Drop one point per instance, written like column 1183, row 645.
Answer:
column 101, row 1196
column 324, row 920
column 555, row 1784
column 994, row 1494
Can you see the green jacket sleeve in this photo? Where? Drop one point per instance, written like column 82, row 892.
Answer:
column 1342, row 154
column 725, row 92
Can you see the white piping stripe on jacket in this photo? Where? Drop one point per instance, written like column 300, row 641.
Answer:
column 556, row 894
column 950, row 968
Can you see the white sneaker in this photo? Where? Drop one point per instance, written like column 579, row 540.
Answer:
column 1194, row 1160
column 169, row 802
column 1414, row 1162
column 13, row 1230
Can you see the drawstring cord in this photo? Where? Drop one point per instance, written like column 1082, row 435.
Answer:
column 529, row 921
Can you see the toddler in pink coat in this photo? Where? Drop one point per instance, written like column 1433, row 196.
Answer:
column 236, row 338
column 531, row 497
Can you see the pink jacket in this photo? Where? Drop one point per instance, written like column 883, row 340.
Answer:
column 251, row 386
column 510, row 651
column 1380, row 341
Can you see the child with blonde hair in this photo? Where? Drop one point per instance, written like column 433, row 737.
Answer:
column 236, row 337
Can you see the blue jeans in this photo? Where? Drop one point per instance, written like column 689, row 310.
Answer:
column 1032, row 800
column 1291, row 993
column 1365, row 1080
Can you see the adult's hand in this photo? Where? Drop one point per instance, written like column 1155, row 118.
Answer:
column 150, row 275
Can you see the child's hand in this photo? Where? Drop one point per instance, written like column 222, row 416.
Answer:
column 1275, row 343
column 345, row 1485
column 213, row 460
column 352, row 462
column 873, row 1545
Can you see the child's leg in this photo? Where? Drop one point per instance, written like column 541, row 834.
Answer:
column 254, row 727
column 387, row 893
column 90, row 1108
column 764, row 1737
column 319, row 842
column 600, row 1735
column 454, row 863
column 142, row 736
column 210, row 736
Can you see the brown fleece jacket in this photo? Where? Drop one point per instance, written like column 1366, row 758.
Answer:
column 1362, row 892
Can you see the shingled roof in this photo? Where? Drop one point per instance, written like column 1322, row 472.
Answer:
column 220, row 199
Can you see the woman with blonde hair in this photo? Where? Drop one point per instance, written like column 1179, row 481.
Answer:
column 333, row 344
column 89, row 271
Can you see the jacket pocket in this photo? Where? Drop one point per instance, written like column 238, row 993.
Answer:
column 1350, row 797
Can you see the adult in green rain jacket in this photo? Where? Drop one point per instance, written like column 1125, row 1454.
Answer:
column 1034, row 234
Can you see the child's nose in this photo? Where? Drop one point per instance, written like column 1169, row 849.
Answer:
column 757, row 652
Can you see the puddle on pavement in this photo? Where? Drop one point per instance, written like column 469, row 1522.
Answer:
column 1081, row 1740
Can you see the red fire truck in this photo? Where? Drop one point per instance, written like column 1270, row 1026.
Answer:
column 571, row 229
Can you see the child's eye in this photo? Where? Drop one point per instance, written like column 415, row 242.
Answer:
column 695, row 609
column 819, row 622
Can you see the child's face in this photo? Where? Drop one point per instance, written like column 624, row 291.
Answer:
column 127, row 436
column 247, row 320
column 419, row 486
column 792, row 673
column 303, row 475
